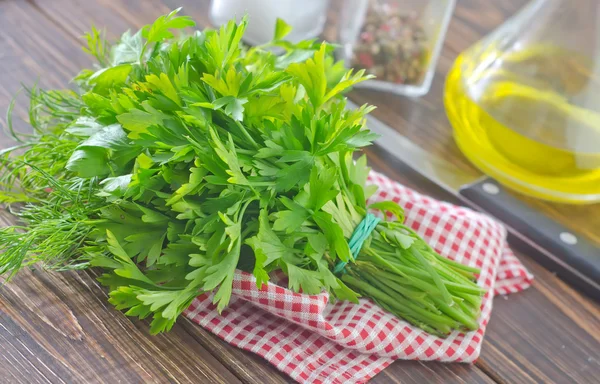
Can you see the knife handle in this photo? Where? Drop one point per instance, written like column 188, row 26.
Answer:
column 572, row 249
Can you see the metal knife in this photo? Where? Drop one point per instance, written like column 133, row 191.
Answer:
column 573, row 258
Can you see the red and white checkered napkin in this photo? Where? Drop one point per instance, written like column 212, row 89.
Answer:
column 316, row 342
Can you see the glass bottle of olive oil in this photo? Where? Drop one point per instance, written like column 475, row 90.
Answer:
column 525, row 101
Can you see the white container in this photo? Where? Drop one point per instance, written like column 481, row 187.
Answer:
column 307, row 17
column 433, row 15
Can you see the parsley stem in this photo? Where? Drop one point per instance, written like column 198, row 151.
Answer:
column 398, row 304
column 246, row 134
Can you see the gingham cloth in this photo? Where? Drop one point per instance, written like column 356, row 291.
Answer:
column 316, row 342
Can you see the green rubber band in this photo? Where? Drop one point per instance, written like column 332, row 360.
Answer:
column 361, row 233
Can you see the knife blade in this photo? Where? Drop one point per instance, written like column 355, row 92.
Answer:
column 574, row 258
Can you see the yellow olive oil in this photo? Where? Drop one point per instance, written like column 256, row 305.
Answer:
column 521, row 122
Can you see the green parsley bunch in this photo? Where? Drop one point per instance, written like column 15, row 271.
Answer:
column 181, row 159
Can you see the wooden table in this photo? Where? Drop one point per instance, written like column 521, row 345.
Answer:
column 59, row 328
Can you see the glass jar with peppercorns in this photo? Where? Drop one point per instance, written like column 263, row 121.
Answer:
column 398, row 41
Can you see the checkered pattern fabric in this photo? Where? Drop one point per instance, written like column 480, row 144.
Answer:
column 316, row 342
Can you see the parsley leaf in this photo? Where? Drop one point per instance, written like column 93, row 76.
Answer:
column 282, row 29
column 128, row 50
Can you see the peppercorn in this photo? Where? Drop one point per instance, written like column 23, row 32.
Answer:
column 392, row 44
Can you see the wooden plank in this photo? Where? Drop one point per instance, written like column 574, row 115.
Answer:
column 31, row 58
column 431, row 372
column 549, row 334
column 251, row 369
column 248, row 367
column 71, row 332
column 116, row 16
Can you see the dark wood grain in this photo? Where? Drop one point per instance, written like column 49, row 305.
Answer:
column 550, row 334
column 30, row 58
column 428, row 372
column 72, row 335
column 59, row 328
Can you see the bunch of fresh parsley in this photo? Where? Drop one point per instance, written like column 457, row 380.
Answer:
column 181, row 159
